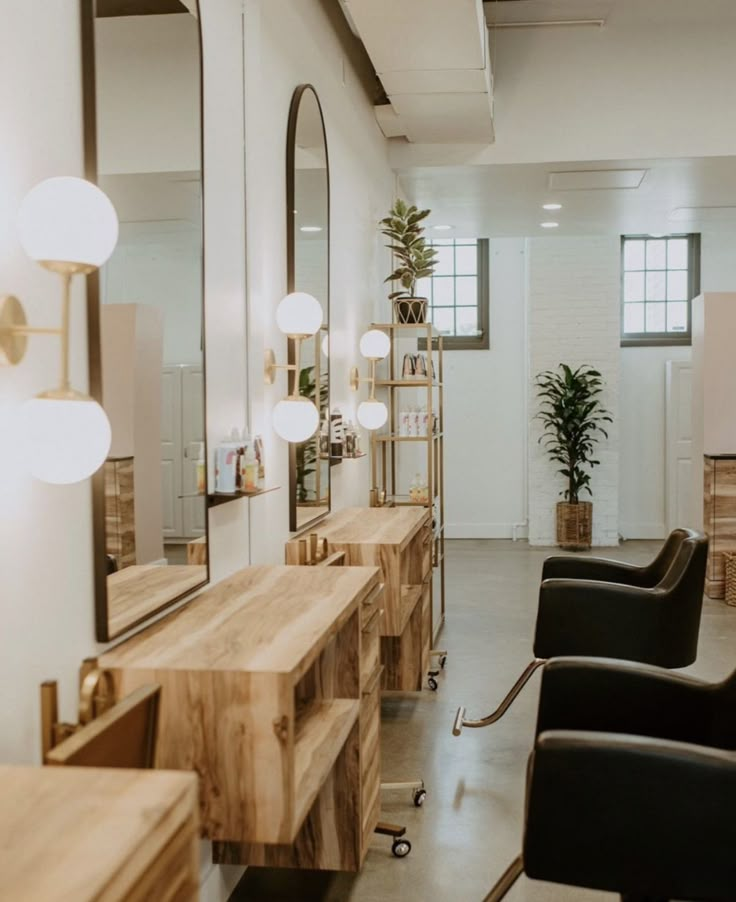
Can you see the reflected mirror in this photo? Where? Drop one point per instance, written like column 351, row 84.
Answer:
column 308, row 240
column 143, row 140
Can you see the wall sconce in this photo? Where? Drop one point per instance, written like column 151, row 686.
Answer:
column 69, row 227
column 374, row 346
column 295, row 418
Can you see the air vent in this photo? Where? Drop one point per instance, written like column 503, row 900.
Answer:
column 596, row 179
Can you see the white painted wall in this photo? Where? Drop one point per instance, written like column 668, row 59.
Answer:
column 573, row 318
column 485, row 411
column 617, row 92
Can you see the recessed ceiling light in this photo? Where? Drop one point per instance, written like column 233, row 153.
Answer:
column 310, row 228
column 443, row 228
column 549, row 225
column 551, row 206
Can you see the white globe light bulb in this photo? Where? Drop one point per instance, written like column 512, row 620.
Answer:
column 65, row 440
column 299, row 314
column 68, row 220
column 295, row 419
column 375, row 344
column 326, row 345
column 372, row 414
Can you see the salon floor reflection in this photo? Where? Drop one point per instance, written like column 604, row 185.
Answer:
column 470, row 827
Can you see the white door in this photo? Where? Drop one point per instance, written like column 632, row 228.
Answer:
column 171, row 455
column 679, row 441
column 192, row 431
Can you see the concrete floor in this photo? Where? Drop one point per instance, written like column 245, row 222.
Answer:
column 470, row 826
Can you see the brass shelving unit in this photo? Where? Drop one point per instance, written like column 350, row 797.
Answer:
column 386, row 476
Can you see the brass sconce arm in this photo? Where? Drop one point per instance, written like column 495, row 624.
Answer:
column 356, row 379
column 14, row 330
column 270, row 366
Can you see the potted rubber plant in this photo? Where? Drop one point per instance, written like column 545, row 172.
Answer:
column 415, row 259
column 573, row 418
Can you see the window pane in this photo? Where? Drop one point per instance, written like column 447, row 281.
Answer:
column 444, row 261
column 443, row 319
column 633, row 287
column 444, row 291
column 634, row 254
column 677, row 317
column 677, row 253
column 656, row 317
column 656, row 286
column 466, row 291
column 466, row 260
column 442, row 242
column 656, row 254
column 633, row 317
column 424, row 288
column 467, row 320
column 677, row 286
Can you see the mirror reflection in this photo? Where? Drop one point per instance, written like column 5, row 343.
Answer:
column 148, row 136
column 309, row 252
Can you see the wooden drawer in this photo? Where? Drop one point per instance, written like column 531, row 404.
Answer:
column 370, row 651
column 369, row 605
column 370, row 751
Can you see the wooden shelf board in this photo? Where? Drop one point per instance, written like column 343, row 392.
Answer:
column 407, row 438
column 408, row 383
column 217, row 498
column 423, row 327
column 320, row 732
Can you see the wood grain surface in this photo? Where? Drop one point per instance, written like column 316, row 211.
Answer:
column 139, row 590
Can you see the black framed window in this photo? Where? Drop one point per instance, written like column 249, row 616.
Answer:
column 659, row 278
column 457, row 293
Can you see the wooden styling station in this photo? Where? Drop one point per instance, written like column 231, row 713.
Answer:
column 719, row 518
column 139, row 590
column 399, row 541
column 270, row 691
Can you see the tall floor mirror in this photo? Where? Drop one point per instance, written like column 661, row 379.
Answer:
column 308, row 244
column 142, row 71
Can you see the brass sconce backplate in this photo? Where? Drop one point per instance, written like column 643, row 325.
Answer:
column 354, row 378
column 269, row 367
column 13, row 341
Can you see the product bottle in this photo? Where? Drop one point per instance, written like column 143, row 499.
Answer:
column 324, row 438
column 423, row 421
column 201, row 471
column 337, row 439
column 349, row 439
column 249, row 477
column 415, row 489
column 226, row 464
column 415, row 424
column 404, row 422
column 258, row 448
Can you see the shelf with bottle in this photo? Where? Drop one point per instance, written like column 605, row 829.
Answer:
column 389, row 437
column 407, row 383
column 240, row 469
column 215, row 499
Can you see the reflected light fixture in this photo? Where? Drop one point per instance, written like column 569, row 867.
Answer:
column 295, row 418
column 549, row 225
column 374, row 346
column 551, row 206
column 310, row 228
column 442, row 228
column 68, row 226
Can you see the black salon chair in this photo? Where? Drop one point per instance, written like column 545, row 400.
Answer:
column 592, row 611
column 632, row 784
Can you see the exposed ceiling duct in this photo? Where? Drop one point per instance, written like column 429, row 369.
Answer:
column 433, row 60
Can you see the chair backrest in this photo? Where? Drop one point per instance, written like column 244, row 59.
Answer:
column 683, row 584
column 123, row 736
column 656, row 570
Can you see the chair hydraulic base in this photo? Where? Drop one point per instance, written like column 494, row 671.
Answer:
column 461, row 721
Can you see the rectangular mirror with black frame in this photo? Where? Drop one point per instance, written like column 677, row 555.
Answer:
column 142, row 75
column 308, row 246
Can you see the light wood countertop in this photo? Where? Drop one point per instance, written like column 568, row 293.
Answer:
column 97, row 835
column 261, row 620
column 373, row 525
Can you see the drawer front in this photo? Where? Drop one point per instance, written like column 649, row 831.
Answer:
column 370, row 651
column 370, row 605
column 370, row 753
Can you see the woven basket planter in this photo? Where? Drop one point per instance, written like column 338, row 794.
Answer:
column 409, row 311
column 574, row 525
column 729, row 569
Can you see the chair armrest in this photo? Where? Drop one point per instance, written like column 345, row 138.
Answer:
column 561, row 567
column 621, row 697
column 585, row 618
column 632, row 815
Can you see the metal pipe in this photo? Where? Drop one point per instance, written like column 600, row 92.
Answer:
column 65, row 315
column 507, row 880
column 496, row 715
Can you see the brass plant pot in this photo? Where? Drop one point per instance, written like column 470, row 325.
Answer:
column 409, row 311
column 575, row 525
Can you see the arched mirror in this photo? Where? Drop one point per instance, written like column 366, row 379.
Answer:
column 308, row 241
column 143, row 145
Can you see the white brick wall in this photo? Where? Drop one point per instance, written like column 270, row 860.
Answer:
column 573, row 318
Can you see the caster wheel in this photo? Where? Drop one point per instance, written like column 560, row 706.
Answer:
column 420, row 796
column 401, row 848
column 443, row 661
column 432, row 683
